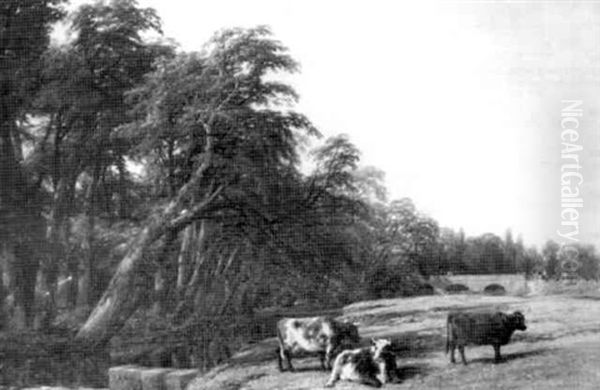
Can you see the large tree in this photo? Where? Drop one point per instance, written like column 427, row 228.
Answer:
column 114, row 59
column 80, row 154
column 551, row 260
column 24, row 36
column 209, row 123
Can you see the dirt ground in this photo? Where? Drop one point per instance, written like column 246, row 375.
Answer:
column 559, row 350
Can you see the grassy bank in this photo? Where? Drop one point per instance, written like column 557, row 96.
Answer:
column 560, row 349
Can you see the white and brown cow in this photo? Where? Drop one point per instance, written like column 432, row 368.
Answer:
column 322, row 336
column 373, row 366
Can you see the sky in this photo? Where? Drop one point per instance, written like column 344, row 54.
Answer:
column 459, row 103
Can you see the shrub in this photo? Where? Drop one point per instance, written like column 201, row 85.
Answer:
column 456, row 288
column 391, row 282
column 30, row 358
column 494, row 289
column 425, row 289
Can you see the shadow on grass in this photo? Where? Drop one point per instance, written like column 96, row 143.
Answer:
column 382, row 318
column 502, row 306
column 240, row 383
column 258, row 353
column 413, row 370
column 512, row 356
column 309, row 368
column 367, row 307
column 535, row 338
column 587, row 296
column 417, row 343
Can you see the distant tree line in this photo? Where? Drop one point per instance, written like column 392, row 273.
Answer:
column 490, row 254
column 140, row 178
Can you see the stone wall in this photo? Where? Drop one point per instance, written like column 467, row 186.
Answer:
column 512, row 283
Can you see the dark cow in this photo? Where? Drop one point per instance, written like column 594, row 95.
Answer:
column 481, row 328
column 373, row 366
column 315, row 335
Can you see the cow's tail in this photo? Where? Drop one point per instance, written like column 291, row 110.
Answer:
column 279, row 335
column 448, row 334
column 279, row 348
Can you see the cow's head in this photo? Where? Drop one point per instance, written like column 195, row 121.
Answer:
column 353, row 335
column 380, row 347
column 518, row 320
column 349, row 333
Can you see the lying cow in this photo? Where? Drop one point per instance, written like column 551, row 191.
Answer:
column 374, row 366
column 481, row 328
column 316, row 335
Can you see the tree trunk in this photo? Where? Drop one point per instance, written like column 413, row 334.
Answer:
column 86, row 284
column 10, row 172
column 159, row 292
column 49, row 272
column 73, row 288
column 123, row 211
column 25, row 269
column 3, row 294
column 122, row 295
column 56, row 238
column 118, row 302
column 164, row 277
column 21, row 212
column 87, row 261
column 185, row 255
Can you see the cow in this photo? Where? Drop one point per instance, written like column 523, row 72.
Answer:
column 373, row 366
column 481, row 328
column 314, row 335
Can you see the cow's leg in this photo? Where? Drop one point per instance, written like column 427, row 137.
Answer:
column 329, row 355
column 497, row 356
column 393, row 376
column 461, row 349
column 336, row 371
column 452, row 349
column 288, row 356
column 391, row 372
column 280, row 357
column 383, row 375
column 322, row 358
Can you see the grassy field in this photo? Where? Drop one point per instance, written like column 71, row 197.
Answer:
column 559, row 350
